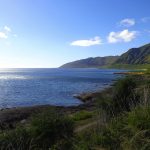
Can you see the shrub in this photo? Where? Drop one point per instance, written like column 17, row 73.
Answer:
column 124, row 96
column 86, row 140
column 104, row 107
column 130, row 131
column 46, row 130
column 17, row 139
column 50, row 128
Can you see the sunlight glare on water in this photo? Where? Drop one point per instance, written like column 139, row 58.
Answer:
column 28, row 87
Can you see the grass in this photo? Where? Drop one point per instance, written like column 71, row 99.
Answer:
column 82, row 115
column 48, row 129
column 127, row 130
column 129, row 66
column 130, row 131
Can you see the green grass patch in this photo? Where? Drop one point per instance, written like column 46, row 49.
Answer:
column 82, row 115
column 129, row 66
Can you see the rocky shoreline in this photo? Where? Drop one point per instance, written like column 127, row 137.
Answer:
column 9, row 117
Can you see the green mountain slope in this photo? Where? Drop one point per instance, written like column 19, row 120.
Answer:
column 136, row 56
column 133, row 58
column 91, row 62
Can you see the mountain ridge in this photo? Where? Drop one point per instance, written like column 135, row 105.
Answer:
column 134, row 56
column 139, row 55
column 91, row 62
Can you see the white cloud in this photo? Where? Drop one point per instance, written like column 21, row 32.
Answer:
column 6, row 28
column 94, row 41
column 5, row 32
column 127, row 22
column 3, row 35
column 122, row 36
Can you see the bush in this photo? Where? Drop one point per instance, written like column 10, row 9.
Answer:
column 128, row 124
column 130, row 131
column 46, row 130
column 18, row 139
column 110, row 137
column 124, row 96
column 87, row 140
column 50, row 128
column 104, row 107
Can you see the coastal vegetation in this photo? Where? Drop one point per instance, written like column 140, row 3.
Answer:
column 119, row 119
column 124, row 118
column 48, row 129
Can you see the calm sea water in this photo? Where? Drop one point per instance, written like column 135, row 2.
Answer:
column 27, row 87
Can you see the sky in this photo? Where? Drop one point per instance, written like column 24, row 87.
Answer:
column 49, row 33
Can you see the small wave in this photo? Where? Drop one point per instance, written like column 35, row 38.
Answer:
column 7, row 77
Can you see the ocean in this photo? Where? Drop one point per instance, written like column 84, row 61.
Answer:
column 28, row 87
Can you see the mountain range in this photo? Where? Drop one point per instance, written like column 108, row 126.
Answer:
column 134, row 56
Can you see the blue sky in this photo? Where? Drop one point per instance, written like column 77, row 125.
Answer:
column 49, row 33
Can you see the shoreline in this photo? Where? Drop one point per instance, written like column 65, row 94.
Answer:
column 130, row 73
column 9, row 117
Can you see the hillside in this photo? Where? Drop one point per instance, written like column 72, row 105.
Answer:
column 91, row 62
column 135, row 56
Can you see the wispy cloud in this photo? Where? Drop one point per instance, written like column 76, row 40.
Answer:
column 145, row 19
column 128, row 22
column 3, row 35
column 15, row 35
column 122, row 36
column 6, row 28
column 4, row 32
column 148, row 31
column 85, row 43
